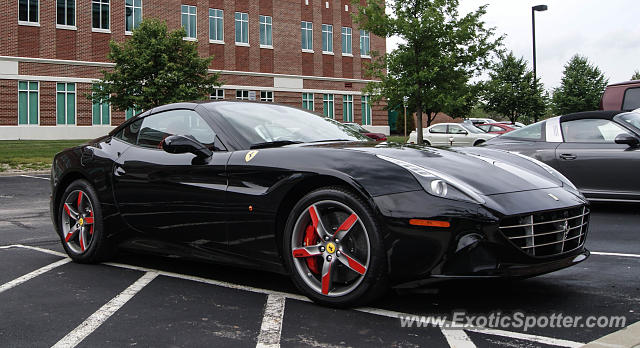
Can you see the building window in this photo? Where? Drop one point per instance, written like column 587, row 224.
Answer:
column 133, row 14
column 66, row 12
column 242, row 28
column 218, row 94
column 307, row 101
column 347, row 108
column 366, row 110
column 27, row 102
column 365, row 43
column 266, row 96
column 216, row 25
column 131, row 112
column 189, row 19
column 346, row 40
column 66, row 103
column 28, row 11
column 101, row 113
column 100, row 14
column 242, row 94
column 327, row 38
column 307, row 36
column 265, row 31
column 327, row 105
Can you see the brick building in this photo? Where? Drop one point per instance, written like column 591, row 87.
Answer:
column 306, row 53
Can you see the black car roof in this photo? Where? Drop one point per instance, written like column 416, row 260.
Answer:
column 607, row 115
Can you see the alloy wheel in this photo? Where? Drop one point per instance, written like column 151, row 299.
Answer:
column 77, row 221
column 330, row 248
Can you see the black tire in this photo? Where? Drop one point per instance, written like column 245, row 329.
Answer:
column 478, row 142
column 370, row 285
column 94, row 246
column 426, row 142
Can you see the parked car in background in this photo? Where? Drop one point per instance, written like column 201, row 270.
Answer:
column 451, row 134
column 358, row 128
column 496, row 128
column 597, row 151
column 624, row 96
column 513, row 124
column 476, row 121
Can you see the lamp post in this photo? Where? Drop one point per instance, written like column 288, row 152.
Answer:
column 405, row 101
column 533, row 25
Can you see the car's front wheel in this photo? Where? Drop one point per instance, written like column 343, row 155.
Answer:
column 333, row 248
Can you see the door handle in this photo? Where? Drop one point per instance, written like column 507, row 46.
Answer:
column 118, row 171
column 568, row 156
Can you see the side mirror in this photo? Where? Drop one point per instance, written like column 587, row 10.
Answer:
column 627, row 139
column 464, row 132
column 185, row 144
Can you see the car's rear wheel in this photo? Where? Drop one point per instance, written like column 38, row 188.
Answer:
column 478, row 142
column 80, row 224
column 334, row 250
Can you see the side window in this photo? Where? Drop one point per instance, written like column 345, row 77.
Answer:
column 156, row 128
column 591, row 131
column 484, row 127
column 531, row 132
column 631, row 99
column 129, row 133
column 496, row 129
column 456, row 130
column 438, row 129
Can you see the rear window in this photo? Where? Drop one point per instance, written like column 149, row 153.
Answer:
column 631, row 99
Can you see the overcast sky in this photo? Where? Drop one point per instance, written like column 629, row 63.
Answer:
column 607, row 32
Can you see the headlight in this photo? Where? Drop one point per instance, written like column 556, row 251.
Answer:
column 549, row 169
column 438, row 184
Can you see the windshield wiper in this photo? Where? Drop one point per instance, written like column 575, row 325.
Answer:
column 274, row 144
column 330, row 140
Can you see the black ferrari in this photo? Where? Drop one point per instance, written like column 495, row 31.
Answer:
column 284, row 190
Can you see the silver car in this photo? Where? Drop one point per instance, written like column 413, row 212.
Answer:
column 451, row 134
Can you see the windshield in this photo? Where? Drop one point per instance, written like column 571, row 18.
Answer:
column 357, row 127
column 264, row 123
column 630, row 119
column 472, row 128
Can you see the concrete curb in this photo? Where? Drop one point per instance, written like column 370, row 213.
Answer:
column 629, row 337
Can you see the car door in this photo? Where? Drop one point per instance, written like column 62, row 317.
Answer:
column 173, row 197
column 437, row 135
column 460, row 136
column 592, row 160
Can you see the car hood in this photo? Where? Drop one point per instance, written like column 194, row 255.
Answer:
column 486, row 171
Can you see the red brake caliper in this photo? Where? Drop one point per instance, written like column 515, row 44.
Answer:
column 311, row 238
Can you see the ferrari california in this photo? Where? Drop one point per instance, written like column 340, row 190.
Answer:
column 280, row 189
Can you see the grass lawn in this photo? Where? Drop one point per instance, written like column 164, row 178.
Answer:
column 397, row 139
column 31, row 154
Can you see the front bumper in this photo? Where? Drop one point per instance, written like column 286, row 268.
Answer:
column 474, row 246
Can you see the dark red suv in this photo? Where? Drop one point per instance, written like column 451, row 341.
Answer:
column 623, row 96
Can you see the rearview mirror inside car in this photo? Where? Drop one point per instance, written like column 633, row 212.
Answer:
column 185, row 144
column 627, row 139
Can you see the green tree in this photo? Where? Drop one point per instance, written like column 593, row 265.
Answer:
column 636, row 75
column 154, row 67
column 581, row 87
column 441, row 52
column 512, row 92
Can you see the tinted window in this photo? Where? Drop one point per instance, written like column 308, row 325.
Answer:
column 630, row 119
column 591, row 131
column 531, row 132
column 129, row 133
column 631, row 99
column 438, row 129
column 156, row 128
column 496, row 129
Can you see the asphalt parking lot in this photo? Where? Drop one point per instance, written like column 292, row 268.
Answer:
column 45, row 300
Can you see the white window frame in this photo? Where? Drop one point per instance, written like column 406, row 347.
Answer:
column 347, row 100
column 29, row 22
column 266, row 21
column 367, row 112
column 134, row 8
column 329, row 100
column 217, row 95
column 75, row 17
column 242, row 23
column 28, row 91
column 75, row 107
column 307, row 28
column 347, row 41
column 242, row 94
column 215, row 18
column 101, row 30
column 308, row 98
column 266, row 96
column 327, row 38
column 187, row 26
column 365, row 38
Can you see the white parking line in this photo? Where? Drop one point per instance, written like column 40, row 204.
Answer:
column 271, row 328
column 31, row 275
column 96, row 319
column 457, row 338
column 614, row 254
column 34, row 177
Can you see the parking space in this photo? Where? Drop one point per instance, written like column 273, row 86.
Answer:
column 152, row 301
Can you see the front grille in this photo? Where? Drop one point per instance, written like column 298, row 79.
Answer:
column 548, row 233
